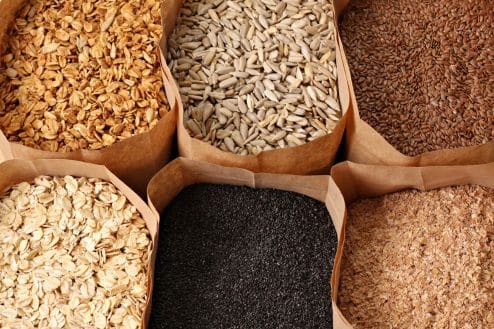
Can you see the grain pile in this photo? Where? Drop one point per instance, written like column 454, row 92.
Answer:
column 256, row 75
column 423, row 71
column 74, row 254
column 236, row 257
column 81, row 74
column 420, row 260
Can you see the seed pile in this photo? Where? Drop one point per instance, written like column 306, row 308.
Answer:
column 81, row 74
column 256, row 75
column 420, row 260
column 236, row 257
column 423, row 71
column 74, row 254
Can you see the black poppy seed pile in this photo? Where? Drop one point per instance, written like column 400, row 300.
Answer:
column 237, row 257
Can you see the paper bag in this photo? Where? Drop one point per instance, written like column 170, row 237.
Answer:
column 359, row 181
column 16, row 171
column 311, row 158
column 5, row 153
column 182, row 172
column 135, row 160
column 363, row 144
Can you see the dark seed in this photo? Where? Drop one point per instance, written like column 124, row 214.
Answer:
column 236, row 257
column 423, row 70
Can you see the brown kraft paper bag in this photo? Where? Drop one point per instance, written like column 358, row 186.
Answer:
column 365, row 145
column 16, row 171
column 360, row 181
column 182, row 172
column 5, row 151
column 135, row 160
column 315, row 157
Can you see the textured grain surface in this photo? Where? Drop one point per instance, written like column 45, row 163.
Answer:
column 423, row 71
column 256, row 75
column 74, row 254
column 81, row 74
column 420, row 260
column 235, row 257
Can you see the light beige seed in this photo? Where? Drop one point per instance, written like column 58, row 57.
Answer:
column 312, row 93
column 272, row 139
column 273, row 76
column 246, row 90
column 253, row 136
column 266, row 74
column 223, row 77
column 224, row 70
column 237, row 138
column 244, row 131
column 332, row 103
column 294, row 140
column 234, row 6
column 259, row 143
column 241, row 105
column 229, row 144
column 194, row 127
column 271, row 95
column 226, row 112
column 217, row 95
column 228, row 82
column 223, row 133
column 268, row 84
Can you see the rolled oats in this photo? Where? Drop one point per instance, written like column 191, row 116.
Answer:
column 81, row 75
column 75, row 254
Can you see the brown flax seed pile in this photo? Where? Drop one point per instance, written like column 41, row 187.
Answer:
column 423, row 71
column 420, row 260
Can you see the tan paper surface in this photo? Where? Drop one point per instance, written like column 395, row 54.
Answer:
column 178, row 174
column 135, row 160
column 365, row 145
column 311, row 158
column 182, row 172
column 16, row 171
column 359, row 181
column 5, row 153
